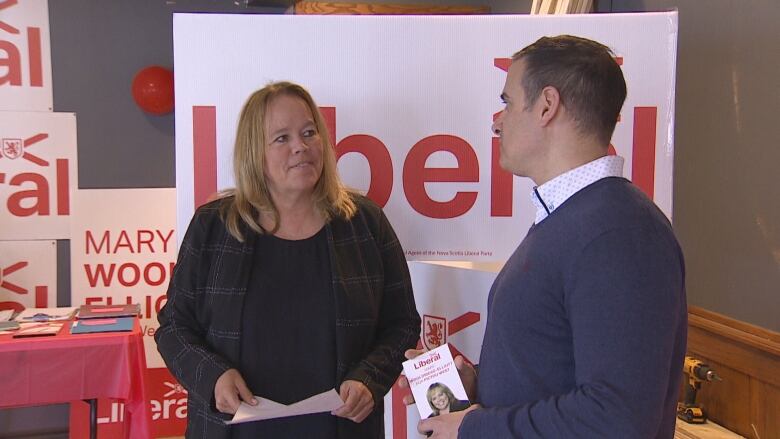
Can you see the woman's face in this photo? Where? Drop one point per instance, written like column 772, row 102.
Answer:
column 293, row 154
column 440, row 400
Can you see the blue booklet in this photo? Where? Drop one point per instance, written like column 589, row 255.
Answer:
column 89, row 326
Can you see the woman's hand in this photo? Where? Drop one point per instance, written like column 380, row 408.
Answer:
column 358, row 401
column 230, row 390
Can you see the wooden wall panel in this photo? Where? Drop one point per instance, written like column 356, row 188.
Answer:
column 747, row 357
column 334, row 8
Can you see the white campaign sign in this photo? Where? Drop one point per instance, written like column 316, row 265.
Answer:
column 122, row 250
column 38, row 174
column 28, row 274
column 452, row 301
column 25, row 56
column 408, row 95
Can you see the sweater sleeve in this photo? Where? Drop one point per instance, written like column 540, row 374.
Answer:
column 624, row 298
column 181, row 337
column 398, row 326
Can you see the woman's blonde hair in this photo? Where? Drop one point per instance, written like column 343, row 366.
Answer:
column 443, row 389
column 251, row 195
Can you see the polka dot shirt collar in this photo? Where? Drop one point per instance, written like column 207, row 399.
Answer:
column 554, row 193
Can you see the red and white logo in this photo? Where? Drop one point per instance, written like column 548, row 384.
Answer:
column 12, row 148
column 434, row 331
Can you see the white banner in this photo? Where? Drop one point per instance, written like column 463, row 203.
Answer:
column 25, row 56
column 411, row 101
column 452, row 302
column 28, row 274
column 122, row 250
column 38, row 174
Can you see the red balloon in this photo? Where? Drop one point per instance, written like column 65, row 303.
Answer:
column 153, row 90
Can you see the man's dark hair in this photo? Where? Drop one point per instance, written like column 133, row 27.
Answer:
column 586, row 75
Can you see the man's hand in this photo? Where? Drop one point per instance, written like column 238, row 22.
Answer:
column 444, row 426
column 468, row 376
column 230, row 390
column 358, row 401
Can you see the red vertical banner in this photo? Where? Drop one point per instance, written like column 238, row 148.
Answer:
column 643, row 162
column 204, row 152
column 399, row 411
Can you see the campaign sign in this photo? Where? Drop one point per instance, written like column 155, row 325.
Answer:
column 38, row 174
column 409, row 101
column 25, row 56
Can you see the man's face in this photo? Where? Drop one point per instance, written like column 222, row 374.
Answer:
column 515, row 125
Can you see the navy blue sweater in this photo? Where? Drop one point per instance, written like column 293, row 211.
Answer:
column 586, row 325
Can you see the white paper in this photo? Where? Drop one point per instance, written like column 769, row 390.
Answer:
column 267, row 409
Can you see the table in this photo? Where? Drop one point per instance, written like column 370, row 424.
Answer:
column 66, row 367
column 708, row 430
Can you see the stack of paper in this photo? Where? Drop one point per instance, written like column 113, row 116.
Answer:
column 102, row 325
column 105, row 311
column 46, row 314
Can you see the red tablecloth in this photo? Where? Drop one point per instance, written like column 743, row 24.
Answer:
column 66, row 367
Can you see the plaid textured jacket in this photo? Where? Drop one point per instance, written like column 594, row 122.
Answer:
column 200, row 325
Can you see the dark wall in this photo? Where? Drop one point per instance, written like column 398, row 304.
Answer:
column 727, row 153
column 726, row 192
column 96, row 48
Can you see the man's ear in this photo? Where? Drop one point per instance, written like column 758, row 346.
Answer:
column 550, row 104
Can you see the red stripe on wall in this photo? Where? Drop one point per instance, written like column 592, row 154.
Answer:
column 399, row 411
column 204, row 152
column 643, row 166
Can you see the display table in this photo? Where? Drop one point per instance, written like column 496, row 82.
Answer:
column 708, row 430
column 65, row 367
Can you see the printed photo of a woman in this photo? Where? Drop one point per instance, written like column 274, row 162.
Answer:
column 442, row 400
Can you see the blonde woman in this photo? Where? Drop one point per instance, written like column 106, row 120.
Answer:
column 287, row 286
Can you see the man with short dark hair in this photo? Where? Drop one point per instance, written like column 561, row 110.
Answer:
column 587, row 321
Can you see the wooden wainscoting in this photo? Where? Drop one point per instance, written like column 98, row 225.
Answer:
column 747, row 357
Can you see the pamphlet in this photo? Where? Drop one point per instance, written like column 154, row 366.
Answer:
column 107, row 311
column 46, row 314
column 89, row 326
column 435, row 383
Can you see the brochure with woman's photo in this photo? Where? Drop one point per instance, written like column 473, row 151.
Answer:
column 435, row 383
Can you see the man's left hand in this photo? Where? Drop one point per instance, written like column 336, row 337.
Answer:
column 444, row 426
column 358, row 401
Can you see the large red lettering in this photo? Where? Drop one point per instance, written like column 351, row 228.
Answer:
column 416, row 175
column 40, row 194
column 90, row 241
column 12, row 62
column 643, row 161
column 63, row 188
column 99, row 273
column 501, row 183
column 379, row 162
column 34, row 52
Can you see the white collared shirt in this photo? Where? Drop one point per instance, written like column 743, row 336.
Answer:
column 555, row 192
